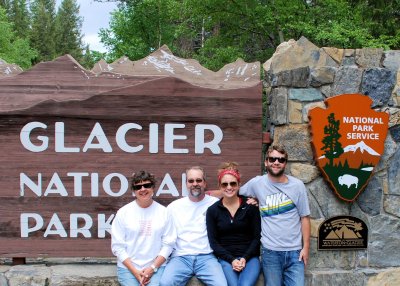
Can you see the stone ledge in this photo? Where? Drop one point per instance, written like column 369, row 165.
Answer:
column 105, row 275
column 67, row 275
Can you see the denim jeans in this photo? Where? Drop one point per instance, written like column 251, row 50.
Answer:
column 247, row 277
column 282, row 267
column 126, row 278
column 204, row 266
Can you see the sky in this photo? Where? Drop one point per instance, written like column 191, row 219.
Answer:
column 95, row 15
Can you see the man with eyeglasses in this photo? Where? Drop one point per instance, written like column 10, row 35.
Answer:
column 192, row 254
column 285, row 221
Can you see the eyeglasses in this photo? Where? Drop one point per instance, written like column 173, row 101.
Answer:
column 139, row 187
column 232, row 184
column 198, row 181
column 280, row 159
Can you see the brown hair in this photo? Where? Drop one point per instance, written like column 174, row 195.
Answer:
column 142, row 176
column 198, row 168
column 228, row 168
column 277, row 148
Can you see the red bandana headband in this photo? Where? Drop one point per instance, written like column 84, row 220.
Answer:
column 229, row 172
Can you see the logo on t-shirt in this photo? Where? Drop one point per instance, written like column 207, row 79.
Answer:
column 145, row 228
column 276, row 204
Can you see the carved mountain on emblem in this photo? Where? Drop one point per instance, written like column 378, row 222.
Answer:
column 342, row 233
column 355, row 155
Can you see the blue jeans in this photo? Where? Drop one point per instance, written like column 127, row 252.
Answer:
column 247, row 277
column 126, row 278
column 282, row 267
column 204, row 266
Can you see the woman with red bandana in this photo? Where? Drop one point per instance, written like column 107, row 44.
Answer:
column 234, row 230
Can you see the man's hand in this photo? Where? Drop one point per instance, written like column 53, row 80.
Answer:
column 252, row 201
column 304, row 256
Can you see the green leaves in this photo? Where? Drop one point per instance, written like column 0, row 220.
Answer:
column 13, row 49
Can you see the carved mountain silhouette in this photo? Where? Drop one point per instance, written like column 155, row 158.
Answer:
column 342, row 233
column 355, row 155
column 163, row 62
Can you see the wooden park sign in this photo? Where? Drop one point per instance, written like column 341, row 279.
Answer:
column 71, row 138
column 348, row 140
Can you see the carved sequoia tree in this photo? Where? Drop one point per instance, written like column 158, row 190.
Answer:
column 332, row 147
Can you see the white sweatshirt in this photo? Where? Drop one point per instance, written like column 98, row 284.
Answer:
column 142, row 234
column 190, row 223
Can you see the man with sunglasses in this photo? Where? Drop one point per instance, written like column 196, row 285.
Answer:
column 285, row 221
column 192, row 254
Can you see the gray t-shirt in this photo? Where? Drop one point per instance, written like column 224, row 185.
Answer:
column 281, row 207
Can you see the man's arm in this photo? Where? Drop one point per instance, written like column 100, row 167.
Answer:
column 306, row 233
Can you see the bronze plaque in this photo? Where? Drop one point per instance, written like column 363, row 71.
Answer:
column 342, row 233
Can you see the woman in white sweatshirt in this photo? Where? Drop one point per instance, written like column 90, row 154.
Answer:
column 142, row 235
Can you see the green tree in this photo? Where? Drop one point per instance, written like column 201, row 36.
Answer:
column 139, row 28
column 5, row 4
column 43, row 29
column 332, row 147
column 68, row 30
column 216, row 32
column 19, row 16
column 92, row 57
column 13, row 49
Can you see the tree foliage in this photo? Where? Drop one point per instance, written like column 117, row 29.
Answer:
column 19, row 16
column 37, row 32
column 68, row 25
column 215, row 32
column 219, row 31
column 332, row 147
column 43, row 29
column 12, row 48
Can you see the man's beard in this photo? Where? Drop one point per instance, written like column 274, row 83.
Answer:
column 278, row 174
column 196, row 191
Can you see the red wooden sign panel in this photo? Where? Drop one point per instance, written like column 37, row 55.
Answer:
column 70, row 140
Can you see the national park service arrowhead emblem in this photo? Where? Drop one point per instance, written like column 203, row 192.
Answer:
column 348, row 140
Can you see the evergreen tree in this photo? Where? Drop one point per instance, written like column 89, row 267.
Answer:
column 43, row 29
column 68, row 30
column 332, row 147
column 87, row 61
column 217, row 32
column 12, row 48
column 19, row 15
column 5, row 4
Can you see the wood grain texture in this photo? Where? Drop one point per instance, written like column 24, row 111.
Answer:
column 62, row 91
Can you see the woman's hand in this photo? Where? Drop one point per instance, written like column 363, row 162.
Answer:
column 146, row 275
column 137, row 274
column 239, row 264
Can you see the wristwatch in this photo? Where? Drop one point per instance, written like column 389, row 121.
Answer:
column 154, row 268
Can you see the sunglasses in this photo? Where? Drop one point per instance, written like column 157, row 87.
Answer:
column 139, row 187
column 280, row 159
column 198, row 181
column 232, row 184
